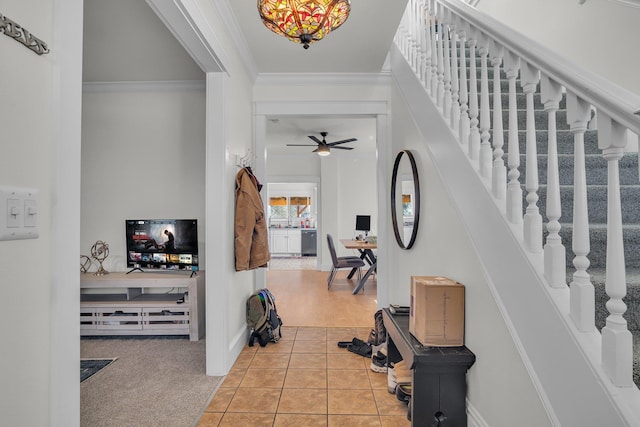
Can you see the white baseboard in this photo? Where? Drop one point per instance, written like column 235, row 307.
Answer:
column 237, row 344
column 474, row 419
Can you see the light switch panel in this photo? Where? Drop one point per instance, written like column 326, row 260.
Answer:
column 18, row 213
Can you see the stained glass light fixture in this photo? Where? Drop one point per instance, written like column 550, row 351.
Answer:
column 303, row 21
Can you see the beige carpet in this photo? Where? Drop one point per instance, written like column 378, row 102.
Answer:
column 154, row 382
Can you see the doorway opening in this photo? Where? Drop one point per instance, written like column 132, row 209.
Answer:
column 292, row 218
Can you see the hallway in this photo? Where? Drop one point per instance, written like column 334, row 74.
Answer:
column 306, row 379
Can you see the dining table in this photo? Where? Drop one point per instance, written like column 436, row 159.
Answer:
column 366, row 250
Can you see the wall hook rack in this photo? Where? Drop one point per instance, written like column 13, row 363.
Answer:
column 247, row 160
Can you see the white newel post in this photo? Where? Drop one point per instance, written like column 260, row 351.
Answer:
column 463, row 132
column 581, row 292
column 555, row 264
column 532, row 219
column 474, row 132
column 486, row 154
column 617, row 345
column 514, row 190
column 499, row 172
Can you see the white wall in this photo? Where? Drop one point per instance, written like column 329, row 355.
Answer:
column 600, row 35
column 27, row 160
column 443, row 248
column 143, row 157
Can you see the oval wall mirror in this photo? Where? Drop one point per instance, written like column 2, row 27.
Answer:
column 405, row 199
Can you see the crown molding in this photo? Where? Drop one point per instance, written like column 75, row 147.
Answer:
column 323, row 79
column 148, row 86
column 234, row 31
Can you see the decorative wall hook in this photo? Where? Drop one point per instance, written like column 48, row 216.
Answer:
column 17, row 32
column 247, row 160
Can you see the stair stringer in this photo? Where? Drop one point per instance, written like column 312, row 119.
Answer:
column 563, row 363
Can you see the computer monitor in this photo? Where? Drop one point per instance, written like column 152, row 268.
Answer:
column 363, row 223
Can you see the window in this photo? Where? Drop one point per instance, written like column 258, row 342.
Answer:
column 299, row 207
column 292, row 207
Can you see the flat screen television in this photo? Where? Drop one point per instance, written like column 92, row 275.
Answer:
column 363, row 223
column 169, row 244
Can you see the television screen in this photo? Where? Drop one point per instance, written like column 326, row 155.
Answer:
column 363, row 222
column 170, row 244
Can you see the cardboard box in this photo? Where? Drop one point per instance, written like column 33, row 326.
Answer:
column 436, row 314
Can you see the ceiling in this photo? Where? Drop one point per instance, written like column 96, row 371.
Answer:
column 125, row 41
column 360, row 45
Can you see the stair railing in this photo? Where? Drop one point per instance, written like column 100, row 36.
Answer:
column 428, row 37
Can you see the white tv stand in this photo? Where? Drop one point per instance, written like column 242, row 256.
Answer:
column 142, row 304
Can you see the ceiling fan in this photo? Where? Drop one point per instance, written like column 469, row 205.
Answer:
column 323, row 147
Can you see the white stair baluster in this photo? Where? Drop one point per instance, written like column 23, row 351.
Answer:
column 532, row 219
column 455, row 86
column 446, row 58
column 474, row 132
column 440, row 47
column 514, row 190
column 582, row 297
column 617, row 345
column 486, row 154
column 433, row 25
column 555, row 264
column 417, row 28
column 411, row 38
column 401, row 35
column 463, row 132
column 426, row 45
column 499, row 172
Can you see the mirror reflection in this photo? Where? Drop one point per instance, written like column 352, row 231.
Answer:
column 405, row 199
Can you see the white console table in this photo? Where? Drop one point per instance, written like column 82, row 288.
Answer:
column 142, row 304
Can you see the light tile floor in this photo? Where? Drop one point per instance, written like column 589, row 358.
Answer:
column 305, row 380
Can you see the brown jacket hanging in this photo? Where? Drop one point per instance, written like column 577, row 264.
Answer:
column 251, row 236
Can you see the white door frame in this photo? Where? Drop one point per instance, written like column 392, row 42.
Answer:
column 338, row 109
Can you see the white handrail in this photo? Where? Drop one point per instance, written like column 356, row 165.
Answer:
column 606, row 96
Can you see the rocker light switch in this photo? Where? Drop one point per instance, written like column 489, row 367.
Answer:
column 18, row 213
column 14, row 213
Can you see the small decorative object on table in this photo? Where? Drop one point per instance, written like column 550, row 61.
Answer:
column 85, row 263
column 100, row 252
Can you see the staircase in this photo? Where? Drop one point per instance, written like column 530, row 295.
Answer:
column 555, row 323
column 597, row 202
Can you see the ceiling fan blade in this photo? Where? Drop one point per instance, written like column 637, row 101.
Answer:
column 343, row 148
column 331, row 144
column 315, row 139
column 315, row 151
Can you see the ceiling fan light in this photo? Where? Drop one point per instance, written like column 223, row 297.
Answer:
column 323, row 150
column 303, row 21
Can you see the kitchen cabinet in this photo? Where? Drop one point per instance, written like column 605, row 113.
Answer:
column 285, row 241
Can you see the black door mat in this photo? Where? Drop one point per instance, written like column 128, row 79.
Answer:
column 89, row 367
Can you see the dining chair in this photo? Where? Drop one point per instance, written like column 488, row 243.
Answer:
column 352, row 262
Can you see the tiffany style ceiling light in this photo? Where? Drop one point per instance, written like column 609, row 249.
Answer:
column 303, row 21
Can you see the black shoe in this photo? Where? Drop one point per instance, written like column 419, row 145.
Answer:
column 363, row 349
column 354, row 341
column 403, row 392
column 379, row 363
